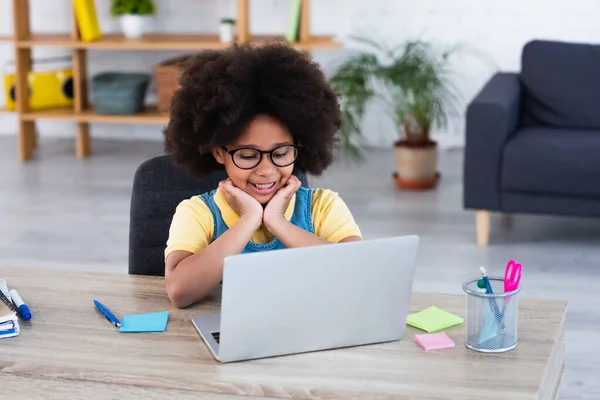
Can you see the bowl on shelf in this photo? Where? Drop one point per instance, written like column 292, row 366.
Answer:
column 119, row 92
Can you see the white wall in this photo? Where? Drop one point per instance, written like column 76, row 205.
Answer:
column 499, row 28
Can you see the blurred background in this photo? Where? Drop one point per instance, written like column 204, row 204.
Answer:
column 482, row 134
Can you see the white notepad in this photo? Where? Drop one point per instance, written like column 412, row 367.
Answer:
column 9, row 321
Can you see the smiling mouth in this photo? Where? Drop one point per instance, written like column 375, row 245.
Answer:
column 263, row 186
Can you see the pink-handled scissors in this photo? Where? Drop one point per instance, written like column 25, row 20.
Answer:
column 512, row 276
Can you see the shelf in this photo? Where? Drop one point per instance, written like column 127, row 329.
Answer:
column 25, row 41
column 318, row 43
column 116, row 42
column 150, row 115
column 315, row 43
column 161, row 42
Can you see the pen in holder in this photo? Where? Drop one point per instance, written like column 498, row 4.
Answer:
column 491, row 319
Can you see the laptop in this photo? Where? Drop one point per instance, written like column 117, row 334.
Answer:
column 299, row 300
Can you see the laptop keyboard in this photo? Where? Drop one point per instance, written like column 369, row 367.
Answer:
column 216, row 336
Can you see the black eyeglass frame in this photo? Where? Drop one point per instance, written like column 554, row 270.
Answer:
column 232, row 152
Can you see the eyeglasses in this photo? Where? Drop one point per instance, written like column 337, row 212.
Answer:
column 248, row 157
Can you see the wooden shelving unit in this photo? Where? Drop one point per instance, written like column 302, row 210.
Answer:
column 83, row 113
column 150, row 115
column 160, row 42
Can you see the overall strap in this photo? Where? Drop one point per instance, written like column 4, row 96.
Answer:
column 219, row 226
column 302, row 216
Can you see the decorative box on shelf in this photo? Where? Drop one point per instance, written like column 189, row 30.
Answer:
column 167, row 76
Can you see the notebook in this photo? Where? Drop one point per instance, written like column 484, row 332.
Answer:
column 9, row 322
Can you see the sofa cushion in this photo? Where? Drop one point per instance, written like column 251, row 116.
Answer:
column 561, row 84
column 552, row 161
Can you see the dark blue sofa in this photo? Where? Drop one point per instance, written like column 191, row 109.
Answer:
column 533, row 138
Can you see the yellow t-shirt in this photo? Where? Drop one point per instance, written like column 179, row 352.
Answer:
column 192, row 225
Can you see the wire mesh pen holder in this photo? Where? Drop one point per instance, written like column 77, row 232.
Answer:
column 491, row 319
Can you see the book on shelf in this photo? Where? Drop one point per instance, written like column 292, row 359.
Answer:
column 293, row 33
column 9, row 321
column 87, row 20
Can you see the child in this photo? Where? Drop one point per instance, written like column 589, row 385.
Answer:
column 260, row 113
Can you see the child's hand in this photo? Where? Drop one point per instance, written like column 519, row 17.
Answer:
column 275, row 209
column 241, row 202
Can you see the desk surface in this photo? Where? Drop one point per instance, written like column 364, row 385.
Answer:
column 69, row 351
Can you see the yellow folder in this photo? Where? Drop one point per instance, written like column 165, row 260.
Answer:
column 87, row 20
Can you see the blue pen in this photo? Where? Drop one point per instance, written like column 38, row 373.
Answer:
column 111, row 318
column 21, row 306
column 488, row 288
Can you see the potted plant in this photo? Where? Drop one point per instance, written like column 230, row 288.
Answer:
column 133, row 15
column 227, row 30
column 413, row 83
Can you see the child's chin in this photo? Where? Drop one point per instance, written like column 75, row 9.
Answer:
column 264, row 200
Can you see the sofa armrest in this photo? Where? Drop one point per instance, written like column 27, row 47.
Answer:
column 492, row 117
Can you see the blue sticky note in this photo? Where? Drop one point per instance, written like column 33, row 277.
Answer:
column 153, row 322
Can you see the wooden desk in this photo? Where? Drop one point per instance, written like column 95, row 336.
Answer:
column 70, row 351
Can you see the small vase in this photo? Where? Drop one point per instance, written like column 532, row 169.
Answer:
column 226, row 32
column 134, row 26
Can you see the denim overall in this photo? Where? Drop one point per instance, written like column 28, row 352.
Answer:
column 301, row 217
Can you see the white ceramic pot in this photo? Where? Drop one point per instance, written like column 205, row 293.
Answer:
column 226, row 32
column 134, row 26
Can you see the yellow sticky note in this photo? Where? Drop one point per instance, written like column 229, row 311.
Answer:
column 433, row 319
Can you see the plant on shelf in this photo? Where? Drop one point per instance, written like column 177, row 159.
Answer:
column 413, row 83
column 227, row 30
column 133, row 15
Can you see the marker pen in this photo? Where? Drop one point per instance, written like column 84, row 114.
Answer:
column 481, row 286
column 23, row 309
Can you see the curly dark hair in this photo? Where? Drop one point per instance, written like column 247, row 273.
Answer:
column 222, row 91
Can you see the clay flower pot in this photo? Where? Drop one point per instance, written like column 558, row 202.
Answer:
column 416, row 163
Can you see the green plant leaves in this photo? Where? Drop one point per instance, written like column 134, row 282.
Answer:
column 134, row 7
column 413, row 80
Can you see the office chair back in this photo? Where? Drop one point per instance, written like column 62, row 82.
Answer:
column 158, row 187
